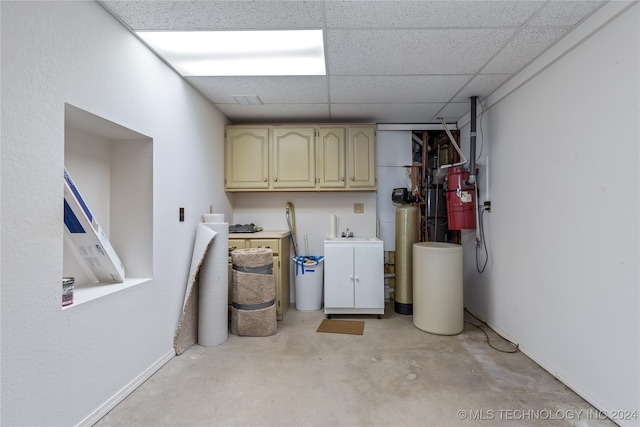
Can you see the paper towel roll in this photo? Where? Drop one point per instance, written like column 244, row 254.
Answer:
column 214, row 218
column 333, row 226
column 213, row 318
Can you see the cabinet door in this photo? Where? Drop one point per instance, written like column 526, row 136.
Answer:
column 293, row 158
column 265, row 243
column 278, row 284
column 368, row 276
column 233, row 245
column 283, row 280
column 236, row 244
column 273, row 244
column 247, row 158
column 280, row 248
column 331, row 157
column 338, row 276
column 362, row 157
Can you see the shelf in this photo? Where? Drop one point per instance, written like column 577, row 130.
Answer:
column 112, row 167
column 92, row 291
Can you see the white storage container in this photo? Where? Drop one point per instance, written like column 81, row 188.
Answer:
column 438, row 305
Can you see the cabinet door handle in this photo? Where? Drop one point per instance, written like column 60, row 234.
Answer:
column 275, row 179
column 342, row 178
column 264, row 180
column 353, row 179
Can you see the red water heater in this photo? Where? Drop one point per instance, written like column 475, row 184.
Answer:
column 461, row 200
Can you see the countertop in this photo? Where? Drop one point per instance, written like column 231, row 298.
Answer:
column 351, row 239
column 265, row 234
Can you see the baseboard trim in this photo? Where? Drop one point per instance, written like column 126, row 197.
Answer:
column 107, row 406
column 553, row 371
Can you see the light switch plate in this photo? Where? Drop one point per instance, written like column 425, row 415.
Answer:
column 358, row 208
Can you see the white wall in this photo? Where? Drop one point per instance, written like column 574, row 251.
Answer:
column 393, row 154
column 312, row 211
column 562, row 279
column 61, row 366
column 563, row 276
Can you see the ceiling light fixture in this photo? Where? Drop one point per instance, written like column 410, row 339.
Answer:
column 240, row 53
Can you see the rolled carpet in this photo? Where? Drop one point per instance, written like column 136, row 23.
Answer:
column 253, row 293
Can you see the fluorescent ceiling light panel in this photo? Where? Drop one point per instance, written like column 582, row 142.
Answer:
column 240, row 53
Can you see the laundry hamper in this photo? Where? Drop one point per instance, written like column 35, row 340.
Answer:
column 253, row 293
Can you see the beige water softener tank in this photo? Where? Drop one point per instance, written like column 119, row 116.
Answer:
column 438, row 305
column 406, row 217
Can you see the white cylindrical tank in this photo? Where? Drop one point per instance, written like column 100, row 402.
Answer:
column 438, row 305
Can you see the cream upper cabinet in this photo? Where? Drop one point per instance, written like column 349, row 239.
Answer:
column 361, row 158
column 311, row 157
column 331, row 146
column 293, row 159
column 247, row 158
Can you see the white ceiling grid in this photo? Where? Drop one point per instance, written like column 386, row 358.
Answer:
column 387, row 61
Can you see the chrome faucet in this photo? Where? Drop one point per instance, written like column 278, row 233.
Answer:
column 347, row 233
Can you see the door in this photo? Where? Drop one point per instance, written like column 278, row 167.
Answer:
column 293, row 160
column 247, row 158
column 233, row 245
column 338, row 276
column 362, row 157
column 331, row 157
column 369, row 276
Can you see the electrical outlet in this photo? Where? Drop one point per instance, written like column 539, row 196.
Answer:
column 487, row 206
column 358, row 208
column 181, row 214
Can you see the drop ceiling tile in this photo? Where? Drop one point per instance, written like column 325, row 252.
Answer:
column 385, row 113
column 271, row 90
column 453, row 111
column 567, row 13
column 523, row 49
column 372, row 52
column 276, row 113
column 383, row 52
column 428, row 14
column 481, row 86
column 395, row 89
column 218, row 15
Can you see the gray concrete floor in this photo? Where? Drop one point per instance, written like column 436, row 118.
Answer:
column 393, row 375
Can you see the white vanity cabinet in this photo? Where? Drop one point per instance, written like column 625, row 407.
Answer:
column 353, row 276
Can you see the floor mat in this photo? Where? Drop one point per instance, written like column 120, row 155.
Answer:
column 353, row 327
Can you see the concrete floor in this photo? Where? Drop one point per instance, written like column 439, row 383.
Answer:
column 393, row 375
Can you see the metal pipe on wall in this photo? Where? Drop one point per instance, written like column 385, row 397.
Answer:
column 472, row 143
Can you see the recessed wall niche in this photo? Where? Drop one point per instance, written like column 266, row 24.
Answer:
column 112, row 166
